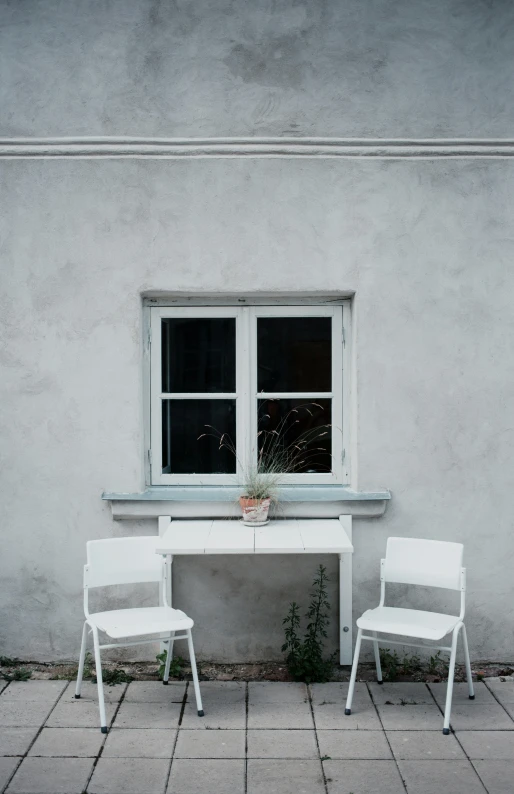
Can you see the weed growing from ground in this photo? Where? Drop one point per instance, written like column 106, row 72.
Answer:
column 19, row 674
column 304, row 658
column 394, row 666
column 390, row 663
column 113, row 677
column 438, row 665
column 177, row 665
column 411, row 664
column 87, row 672
column 8, row 661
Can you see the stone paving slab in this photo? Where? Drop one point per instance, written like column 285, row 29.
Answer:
column 286, row 777
column 491, row 745
column 129, row 776
column 210, row 744
column 422, row 745
column 224, row 687
column 50, row 741
column 477, row 717
column 19, row 714
column 280, row 715
column 501, row 690
column 16, row 741
column 461, row 694
column 155, row 692
column 411, row 718
column 497, row 776
column 354, row 745
column 79, row 714
column 215, row 697
column 401, row 694
column 139, row 743
column 51, row 776
column 509, row 708
column 226, row 691
column 70, row 742
column 148, row 715
column 226, row 716
column 279, row 692
column 428, row 777
column 327, row 717
column 34, row 691
column 282, row 744
column 335, row 694
column 7, row 767
column 89, row 691
column 218, row 776
column 363, row 777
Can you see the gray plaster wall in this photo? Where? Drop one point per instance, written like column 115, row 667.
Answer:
column 350, row 68
column 425, row 244
column 427, row 247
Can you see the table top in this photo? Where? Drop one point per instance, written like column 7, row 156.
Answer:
column 288, row 536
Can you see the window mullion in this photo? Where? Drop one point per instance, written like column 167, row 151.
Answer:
column 295, row 395
column 243, row 379
column 251, row 458
column 204, row 395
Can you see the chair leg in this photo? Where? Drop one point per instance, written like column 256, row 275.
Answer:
column 169, row 653
column 348, row 709
column 377, row 660
column 468, row 663
column 194, row 671
column 449, row 688
column 82, row 657
column 98, row 665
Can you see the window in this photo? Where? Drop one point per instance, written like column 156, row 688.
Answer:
column 243, row 374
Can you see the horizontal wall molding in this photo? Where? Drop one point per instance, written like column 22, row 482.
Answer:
column 175, row 148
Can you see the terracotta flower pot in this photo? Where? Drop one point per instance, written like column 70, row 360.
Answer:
column 254, row 510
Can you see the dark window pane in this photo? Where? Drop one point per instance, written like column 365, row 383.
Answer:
column 296, row 434
column 199, row 355
column 183, row 422
column 294, row 354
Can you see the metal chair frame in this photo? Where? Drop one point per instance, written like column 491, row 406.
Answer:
column 167, row 639
column 452, row 649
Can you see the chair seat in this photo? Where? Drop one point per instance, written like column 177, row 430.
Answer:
column 137, row 622
column 408, row 622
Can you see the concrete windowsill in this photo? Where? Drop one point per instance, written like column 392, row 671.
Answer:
column 190, row 501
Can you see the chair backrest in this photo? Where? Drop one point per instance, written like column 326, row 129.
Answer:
column 432, row 563
column 123, row 561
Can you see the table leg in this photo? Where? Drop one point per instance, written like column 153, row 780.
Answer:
column 169, row 596
column 163, row 523
column 169, row 579
column 345, row 607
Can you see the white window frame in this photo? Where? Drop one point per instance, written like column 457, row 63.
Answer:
column 246, row 395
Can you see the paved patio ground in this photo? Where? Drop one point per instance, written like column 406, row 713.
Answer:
column 256, row 738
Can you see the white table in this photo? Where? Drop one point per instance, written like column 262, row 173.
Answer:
column 288, row 536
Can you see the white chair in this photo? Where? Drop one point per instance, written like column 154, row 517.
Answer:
column 430, row 563
column 131, row 561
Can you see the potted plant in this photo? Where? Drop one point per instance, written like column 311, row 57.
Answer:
column 281, row 450
column 260, row 489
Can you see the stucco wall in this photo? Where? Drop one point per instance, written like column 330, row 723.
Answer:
column 351, row 68
column 426, row 244
column 427, row 247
